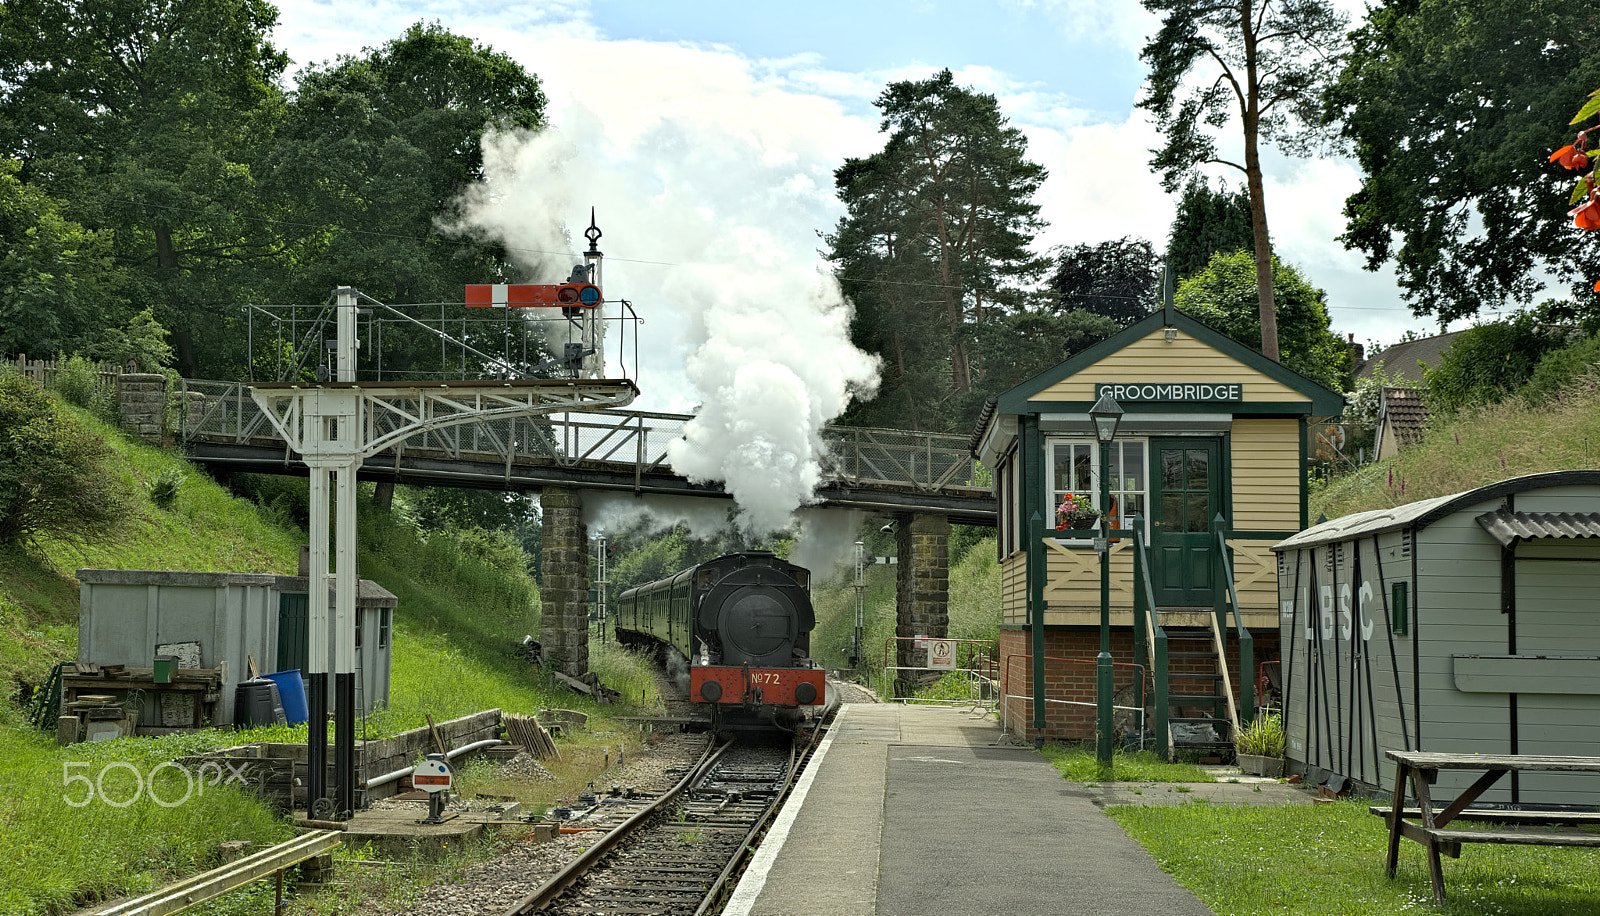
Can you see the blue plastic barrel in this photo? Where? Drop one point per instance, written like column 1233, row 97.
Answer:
column 292, row 692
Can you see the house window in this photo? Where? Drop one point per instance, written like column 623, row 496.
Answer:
column 359, row 615
column 1075, row 469
column 385, row 624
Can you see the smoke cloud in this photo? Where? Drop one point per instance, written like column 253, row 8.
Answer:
column 741, row 327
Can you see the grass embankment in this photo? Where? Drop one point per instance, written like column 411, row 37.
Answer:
column 974, row 608
column 1327, row 860
column 1477, row 447
column 458, row 620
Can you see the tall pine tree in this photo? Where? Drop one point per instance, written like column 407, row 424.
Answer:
column 934, row 244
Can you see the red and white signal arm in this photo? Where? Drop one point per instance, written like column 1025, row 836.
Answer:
column 431, row 776
column 533, row 295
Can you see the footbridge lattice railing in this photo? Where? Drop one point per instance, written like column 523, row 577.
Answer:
column 223, row 412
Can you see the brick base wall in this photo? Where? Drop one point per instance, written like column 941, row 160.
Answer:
column 1070, row 676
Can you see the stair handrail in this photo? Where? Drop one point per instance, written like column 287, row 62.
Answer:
column 1230, row 601
column 1144, row 605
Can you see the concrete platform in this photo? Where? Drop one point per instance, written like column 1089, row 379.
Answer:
column 395, row 832
column 908, row 811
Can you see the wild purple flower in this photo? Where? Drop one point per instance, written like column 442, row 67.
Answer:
column 1391, row 477
column 1458, row 438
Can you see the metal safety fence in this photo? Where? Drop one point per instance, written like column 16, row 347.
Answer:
column 954, row 672
column 1070, row 696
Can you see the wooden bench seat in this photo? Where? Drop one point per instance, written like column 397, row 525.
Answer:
column 1549, row 818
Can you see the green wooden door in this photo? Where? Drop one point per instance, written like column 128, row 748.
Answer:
column 294, row 635
column 1186, row 481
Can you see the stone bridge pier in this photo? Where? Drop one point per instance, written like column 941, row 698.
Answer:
column 564, row 620
column 922, row 593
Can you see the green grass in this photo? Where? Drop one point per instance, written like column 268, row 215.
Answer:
column 459, row 620
column 1327, row 860
column 1077, row 763
column 1477, row 447
column 57, row 855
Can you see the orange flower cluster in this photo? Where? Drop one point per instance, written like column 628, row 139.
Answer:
column 1585, row 200
column 1586, row 215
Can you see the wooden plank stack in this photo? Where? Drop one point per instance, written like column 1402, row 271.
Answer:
column 526, row 731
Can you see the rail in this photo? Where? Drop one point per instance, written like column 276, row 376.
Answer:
column 224, row 412
column 218, row 881
column 1156, row 646
column 575, row 869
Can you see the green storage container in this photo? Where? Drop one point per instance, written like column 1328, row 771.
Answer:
column 166, row 666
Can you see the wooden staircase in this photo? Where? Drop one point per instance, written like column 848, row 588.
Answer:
column 1200, row 715
column 1185, row 648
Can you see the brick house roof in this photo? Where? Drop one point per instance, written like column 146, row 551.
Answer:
column 1400, row 362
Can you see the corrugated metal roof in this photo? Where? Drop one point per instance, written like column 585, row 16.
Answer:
column 1425, row 512
column 1510, row 527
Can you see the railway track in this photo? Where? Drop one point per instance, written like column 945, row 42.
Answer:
column 675, row 854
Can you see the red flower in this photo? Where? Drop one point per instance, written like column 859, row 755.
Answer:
column 1587, row 215
column 1571, row 157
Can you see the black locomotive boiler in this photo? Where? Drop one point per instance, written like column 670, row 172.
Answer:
column 743, row 622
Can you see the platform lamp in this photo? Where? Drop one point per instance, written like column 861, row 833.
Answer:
column 1106, row 414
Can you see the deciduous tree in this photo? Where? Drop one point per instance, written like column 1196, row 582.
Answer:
column 1224, row 297
column 143, row 117
column 1256, row 63
column 1118, row 279
column 1451, row 107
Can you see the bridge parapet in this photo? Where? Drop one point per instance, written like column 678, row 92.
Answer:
column 224, row 413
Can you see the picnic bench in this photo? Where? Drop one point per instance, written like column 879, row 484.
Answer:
column 1524, row 827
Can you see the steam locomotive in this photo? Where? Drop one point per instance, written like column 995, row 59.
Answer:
column 743, row 622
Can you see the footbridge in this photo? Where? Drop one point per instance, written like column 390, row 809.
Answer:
column 882, row 471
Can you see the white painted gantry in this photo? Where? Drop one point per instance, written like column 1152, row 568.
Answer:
column 335, row 427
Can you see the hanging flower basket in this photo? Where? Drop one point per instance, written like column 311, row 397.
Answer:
column 1076, row 513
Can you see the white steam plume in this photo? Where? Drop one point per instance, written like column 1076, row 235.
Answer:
column 741, row 325
column 609, row 511
column 826, row 541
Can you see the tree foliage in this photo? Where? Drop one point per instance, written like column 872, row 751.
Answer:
column 1208, row 222
column 1118, row 279
column 372, row 153
column 145, row 117
column 1259, row 62
column 1224, row 297
column 1486, row 363
column 1451, row 107
column 54, row 481
column 935, row 243
column 55, row 275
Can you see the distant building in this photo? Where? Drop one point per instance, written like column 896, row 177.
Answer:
column 1403, row 362
column 1402, row 416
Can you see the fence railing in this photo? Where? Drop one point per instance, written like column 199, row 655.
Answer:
column 44, row 371
column 974, row 660
column 918, row 461
column 1071, row 682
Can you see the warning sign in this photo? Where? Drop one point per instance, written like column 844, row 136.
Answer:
column 942, row 654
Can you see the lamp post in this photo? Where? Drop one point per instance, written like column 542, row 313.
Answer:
column 1106, row 413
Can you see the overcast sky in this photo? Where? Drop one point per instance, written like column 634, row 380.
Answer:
column 733, row 116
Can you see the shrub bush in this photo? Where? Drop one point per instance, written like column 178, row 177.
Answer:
column 53, row 479
column 78, row 381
